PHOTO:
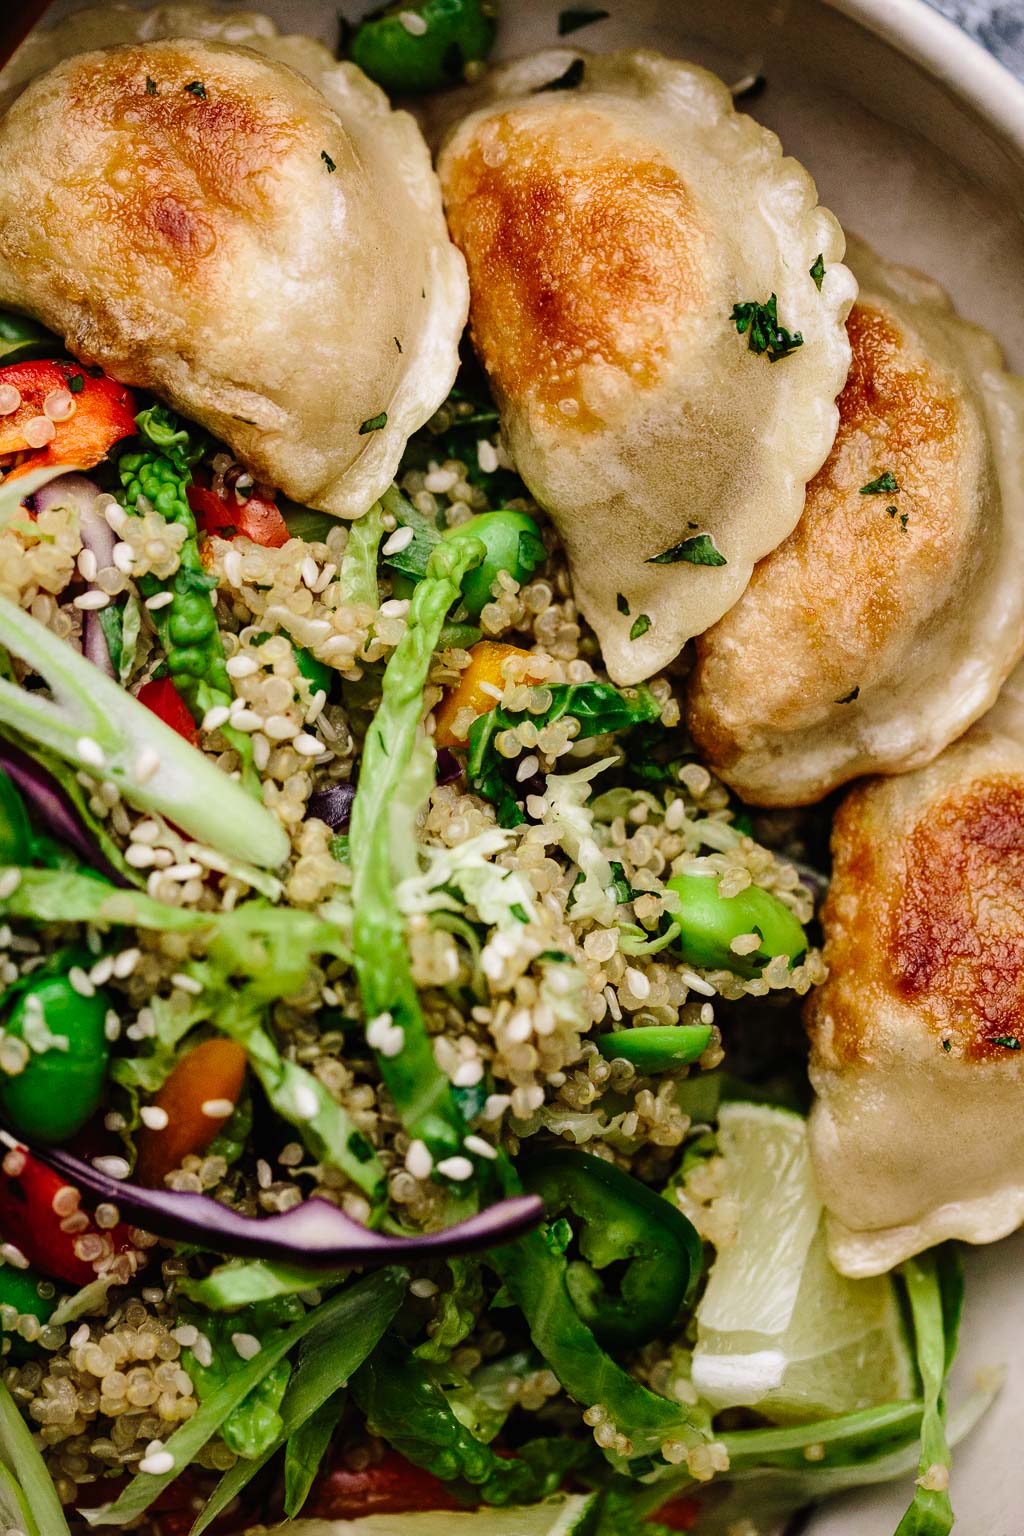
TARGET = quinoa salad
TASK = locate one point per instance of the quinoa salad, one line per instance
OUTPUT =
(403, 1077)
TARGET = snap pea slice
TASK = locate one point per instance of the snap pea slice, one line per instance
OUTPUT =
(656, 1047)
(412, 48)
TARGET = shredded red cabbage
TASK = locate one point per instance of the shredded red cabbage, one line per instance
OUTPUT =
(332, 805)
(54, 808)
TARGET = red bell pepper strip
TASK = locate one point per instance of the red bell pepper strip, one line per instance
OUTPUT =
(28, 1220)
(104, 412)
(257, 519)
(391, 1486)
(161, 696)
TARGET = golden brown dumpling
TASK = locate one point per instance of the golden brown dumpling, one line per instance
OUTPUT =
(886, 622)
(254, 235)
(917, 1133)
(610, 227)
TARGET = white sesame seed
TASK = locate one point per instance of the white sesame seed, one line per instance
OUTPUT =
(468, 1073)
(233, 567)
(218, 1109)
(90, 601)
(111, 1025)
(306, 1102)
(399, 540)
(383, 1035)
(480, 1147)
(696, 983)
(242, 666)
(246, 720)
(157, 1464)
(215, 717)
(102, 971)
(114, 513)
(495, 1105)
(310, 571)
(707, 1014)
(613, 1004)
(139, 856)
(537, 807)
(675, 816)
(87, 565)
(247, 1345)
(183, 872)
(486, 456)
(528, 767)
(457, 1168)
(280, 728)
(81, 1336)
(415, 25)
(418, 1160)
(80, 982)
(9, 882)
(13, 1256)
(423, 1287)
(113, 1167)
(90, 751)
(124, 558)
(153, 1116)
(394, 608)
(146, 764)
(187, 984)
(637, 982)
(203, 1351)
(324, 579)
(306, 745)
(159, 600)
(186, 1334)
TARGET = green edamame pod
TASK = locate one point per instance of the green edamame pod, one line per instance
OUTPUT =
(60, 1087)
(708, 922)
(15, 832)
(425, 45)
(656, 1047)
(512, 543)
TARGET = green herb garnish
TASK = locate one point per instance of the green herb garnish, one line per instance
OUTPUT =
(374, 423)
(196, 88)
(1008, 1042)
(848, 698)
(150, 86)
(818, 270)
(765, 336)
(885, 484)
(641, 624)
(622, 604)
(698, 550)
(325, 157)
(574, 17)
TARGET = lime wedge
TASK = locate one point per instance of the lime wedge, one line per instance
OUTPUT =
(568, 1515)
(777, 1328)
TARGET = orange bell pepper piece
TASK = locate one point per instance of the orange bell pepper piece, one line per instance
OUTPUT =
(103, 412)
(208, 1073)
(470, 692)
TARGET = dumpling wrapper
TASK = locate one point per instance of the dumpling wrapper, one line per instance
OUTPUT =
(202, 246)
(917, 1133)
(885, 624)
(609, 229)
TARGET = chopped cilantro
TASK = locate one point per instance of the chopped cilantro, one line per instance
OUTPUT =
(75, 382)
(818, 270)
(904, 520)
(947, 1044)
(1009, 1042)
(885, 483)
(848, 698)
(520, 913)
(196, 88)
(564, 82)
(398, 344)
(699, 550)
(374, 423)
(325, 157)
(641, 624)
(576, 16)
(150, 86)
(765, 336)
(622, 604)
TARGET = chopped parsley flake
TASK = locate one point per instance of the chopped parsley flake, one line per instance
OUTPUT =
(904, 517)
(818, 270)
(621, 604)
(576, 16)
(398, 344)
(947, 1044)
(641, 624)
(325, 157)
(848, 698)
(75, 382)
(564, 82)
(765, 336)
(374, 423)
(884, 485)
(1009, 1042)
(196, 88)
(699, 550)
(150, 86)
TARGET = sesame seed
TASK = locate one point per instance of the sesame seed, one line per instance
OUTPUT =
(246, 1345)
(182, 872)
(306, 745)
(91, 601)
(637, 982)
(399, 540)
(159, 600)
(613, 1004)
(394, 608)
(242, 666)
(415, 25)
(528, 767)
(423, 1287)
(385, 1036)
(203, 1351)
(111, 1025)
(486, 456)
(146, 764)
(9, 882)
(157, 1464)
(218, 1109)
(280, 728)
(102, 971)
(154, 1117)
(90, 752)
(186, 1334)
(124, 558)
(13, 1256)
(81, 1336)
(187, 984)
(233, 567)
(495, 1105)
(87, 565)
(113, 1167)
(310, 571)
(246, 720)
(80, 982)
(215, 717)
(707, 1014)
(139, 856)
(418, 1160)
(306, 1102)
(468, 1074)
(324, 579)
(480, 1147)
(457, 1168)
(696, 983)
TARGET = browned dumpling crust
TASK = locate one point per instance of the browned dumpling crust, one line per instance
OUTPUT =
(885, 623)
(609, 231)
(261, 245)
(916, 1035)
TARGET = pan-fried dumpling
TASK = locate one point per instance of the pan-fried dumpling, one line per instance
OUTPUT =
(917, 1133)
(250, 232)
(886, 622)
(610, 226)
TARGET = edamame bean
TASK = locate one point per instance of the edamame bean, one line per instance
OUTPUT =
(513, 544)
(60, 1087)
(656, 1047)
(708, 922)
(424, 46)
(15, 832)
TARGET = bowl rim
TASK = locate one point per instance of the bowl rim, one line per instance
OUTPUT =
(951, 55)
